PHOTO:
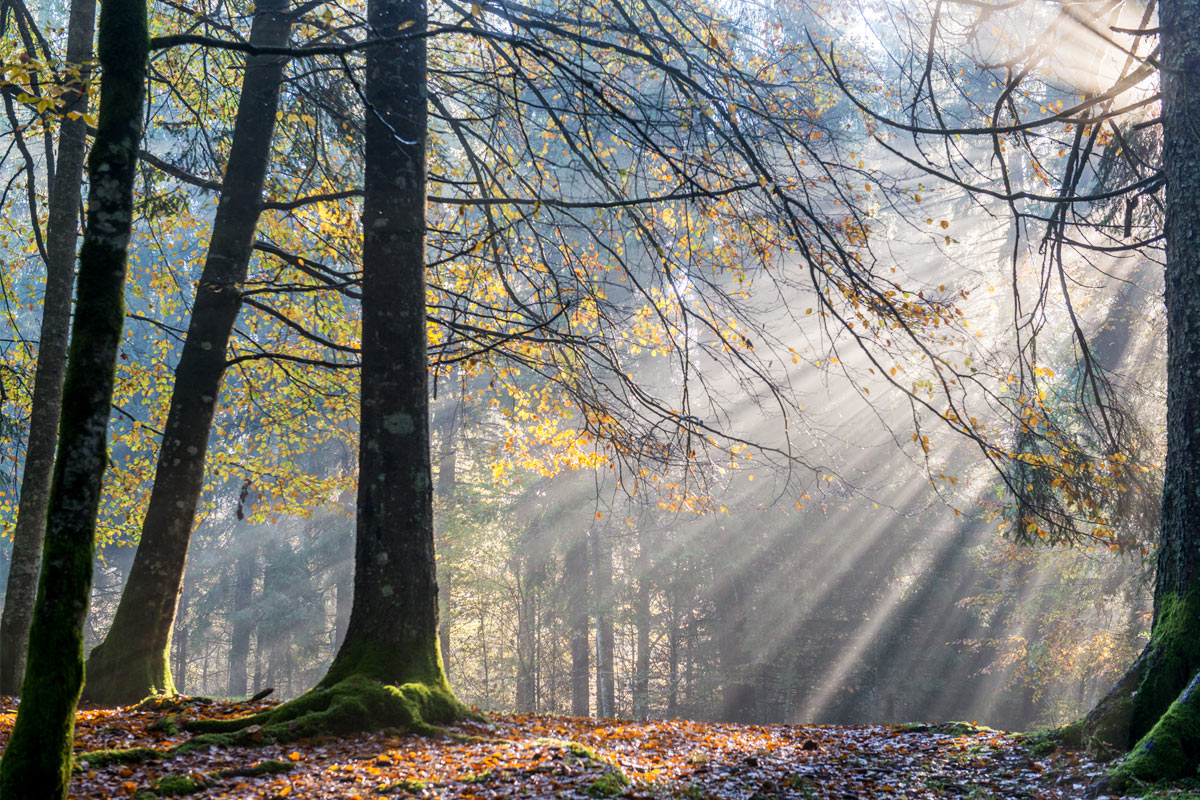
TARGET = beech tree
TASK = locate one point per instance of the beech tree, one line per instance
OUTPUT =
(37, 761)
(133, 660)
(61, 240)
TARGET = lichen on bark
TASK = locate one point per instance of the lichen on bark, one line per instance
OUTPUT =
(37, 760)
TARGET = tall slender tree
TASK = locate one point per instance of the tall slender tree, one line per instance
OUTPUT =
(61, 239)
(1155, 708)
(392, 636)
(133, 660)
(37, 762)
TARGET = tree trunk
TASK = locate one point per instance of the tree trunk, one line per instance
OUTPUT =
(603, 573)
(447, 478)
(641, 676)
(1155, 705)
(61, 237)
(37, 761)
(132, 661)
(739, 695)
(245, 571)
(345, 594)
(576, 573)
(393, 633)
(525, 634)
(180, 640)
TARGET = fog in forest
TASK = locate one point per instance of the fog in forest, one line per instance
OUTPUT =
(837, 554)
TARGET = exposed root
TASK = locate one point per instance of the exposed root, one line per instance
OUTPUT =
(354, 705)
(1169, 751)
(135, 755)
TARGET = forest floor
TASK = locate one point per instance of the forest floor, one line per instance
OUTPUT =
(532, 756)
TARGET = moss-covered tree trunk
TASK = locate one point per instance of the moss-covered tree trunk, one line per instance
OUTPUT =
(37, 761)
(61, 240)
(133, 661)
(392, 637)
(1154, 707)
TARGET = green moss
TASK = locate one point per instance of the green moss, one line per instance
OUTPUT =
(169, 725)
(574, 748)
(135, 755)
(351, 706)
(1186, 789)
(268, 767)
(478, 777)
(116, 679)
(1171, 750)
(1040, 742)
(409, 787)
(1174, 658)
(610, 784)
(177, 785)
(158, 702)
(1071, 734)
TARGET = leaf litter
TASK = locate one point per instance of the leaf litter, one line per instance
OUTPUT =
(538, 756)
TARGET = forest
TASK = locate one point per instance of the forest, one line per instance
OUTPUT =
(592, 398)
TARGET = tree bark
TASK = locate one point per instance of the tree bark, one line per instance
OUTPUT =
(520, 564)
(132, 661)
(738, 700)
(61, 238)
(180, 640)
(245, 571)
(641, 676)
(392, 637)
(37, 761)
(1154, 705)
(602, 572)
(576, 573)
(446, 482)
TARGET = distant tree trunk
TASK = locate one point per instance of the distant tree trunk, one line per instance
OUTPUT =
(447, 477)
(525, 634)
(393, 633)
(61, 238)
(258, 663)
(345, 594)
(179, 639)
(674, 636)
(739, 695)
(132, 662)
(641, 676)
(242, 620)
(576, 575)
(689, 666)
(1156, 706)
(37, 761)
(602, 571)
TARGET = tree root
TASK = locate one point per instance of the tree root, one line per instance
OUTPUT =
(1170, 750)
(354, 705)
(179, 785)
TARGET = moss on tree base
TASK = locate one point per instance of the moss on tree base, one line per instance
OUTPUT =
(1145, 693)
(353, 705)
(1169, 751)
(122, 679)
